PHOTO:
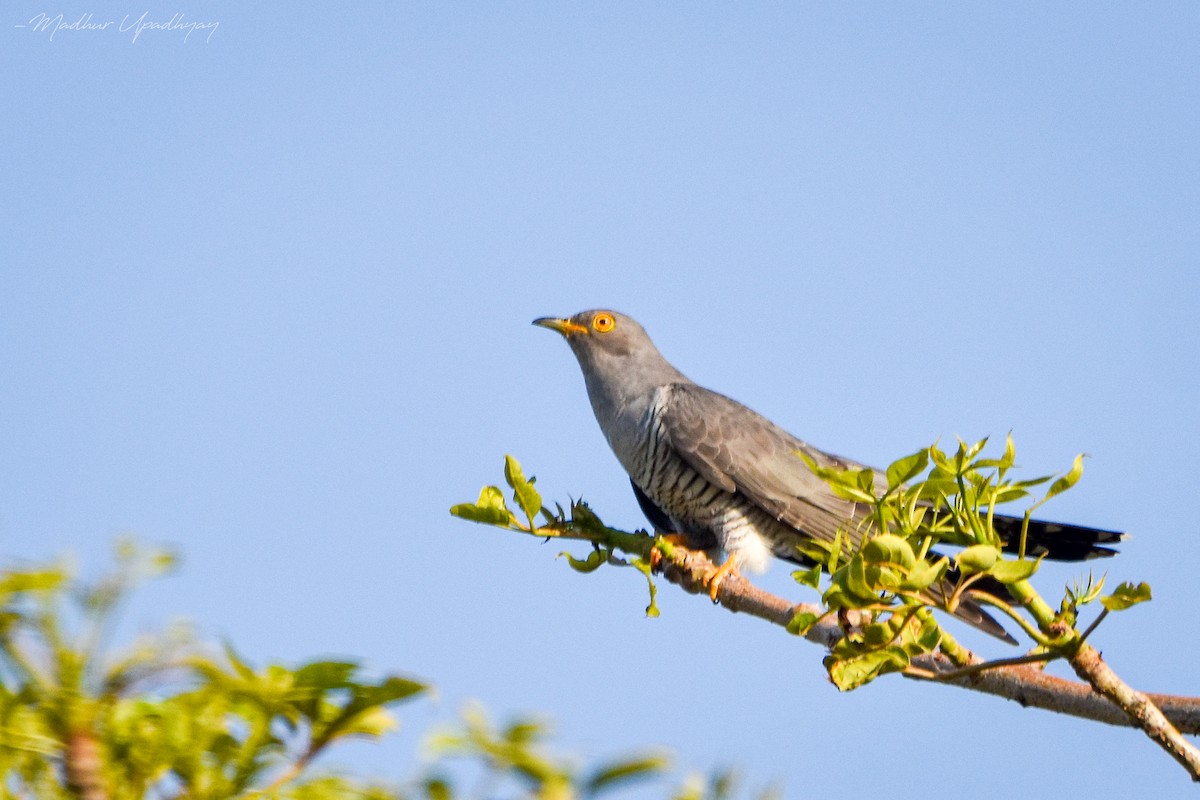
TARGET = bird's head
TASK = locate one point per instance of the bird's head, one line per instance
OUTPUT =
(614, 352)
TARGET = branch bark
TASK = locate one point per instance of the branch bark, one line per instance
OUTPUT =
(83, 765)
(1139, 708)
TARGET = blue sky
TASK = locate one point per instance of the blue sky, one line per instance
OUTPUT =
(265, 295)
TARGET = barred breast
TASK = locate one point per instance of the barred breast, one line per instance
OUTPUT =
(697, 506)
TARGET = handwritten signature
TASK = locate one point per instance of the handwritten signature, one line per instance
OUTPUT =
(130, 25)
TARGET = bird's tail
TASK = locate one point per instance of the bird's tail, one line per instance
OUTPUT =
(1056, 540)
(970, 611)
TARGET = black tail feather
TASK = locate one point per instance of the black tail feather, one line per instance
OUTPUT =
(1057, 541)
(974, 615)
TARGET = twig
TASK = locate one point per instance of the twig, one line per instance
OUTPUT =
(995, 602)
(972, 669)
(289, 774)
(1095, 624)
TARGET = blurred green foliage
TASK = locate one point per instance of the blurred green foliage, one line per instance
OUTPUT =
(169, 717)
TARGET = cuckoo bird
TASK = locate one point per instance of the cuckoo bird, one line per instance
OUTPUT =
(723, 478)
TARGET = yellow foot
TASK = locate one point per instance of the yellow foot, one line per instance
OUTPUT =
(714, 580)
(656, 556)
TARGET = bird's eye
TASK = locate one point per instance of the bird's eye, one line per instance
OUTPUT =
(603, 322)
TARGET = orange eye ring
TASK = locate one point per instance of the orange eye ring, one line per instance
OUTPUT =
(603, 322)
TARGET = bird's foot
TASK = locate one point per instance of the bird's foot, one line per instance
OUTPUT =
(656, 556)
(715, 578)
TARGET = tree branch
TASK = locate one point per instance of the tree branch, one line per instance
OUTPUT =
(83, 765)
(1026, 685)
(1138, 708)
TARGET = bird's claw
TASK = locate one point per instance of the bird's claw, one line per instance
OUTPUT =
(717, 577)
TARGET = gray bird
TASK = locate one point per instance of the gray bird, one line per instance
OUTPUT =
(723, 477)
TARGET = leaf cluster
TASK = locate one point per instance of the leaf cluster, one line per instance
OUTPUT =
(164, 717)
(167, 717)
(578, 521)
(927, 500)
(519, 764)
(492, 509)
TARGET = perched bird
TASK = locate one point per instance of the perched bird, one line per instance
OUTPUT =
(722, 477)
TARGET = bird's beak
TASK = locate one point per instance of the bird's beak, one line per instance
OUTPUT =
(563, 326)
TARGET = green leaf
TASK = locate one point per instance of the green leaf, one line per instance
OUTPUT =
(326, 674)
(643, 566)
(851, 673)
(885, 579)
(1067, 481)
(163, 561)
(364, 713)
(857, 485)
(835, 550)
(438, 789)
(936, 488)
(851, 493)
(866, 482)
(489, 509)
(524, 494)
(609, 776)
(523, 732)
(371, 722)
(969, 453)
(1080, 594)
(802, 622)
(978, 558)
(887, 548)
(392, 689)
(46, 580)
(809, 577)
(878, 634)
(923, 574)
(1007, 494)
(1126, 595)
(854, 578)
(907, 468)
(1010, 571)
(1031, 482)
(940, 460)
(1010, 453)
(593, 562)
(836, 598)
(926, 638)
(244, 670)
(821, 472)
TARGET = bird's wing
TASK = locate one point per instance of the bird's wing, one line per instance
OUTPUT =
(737, 448)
